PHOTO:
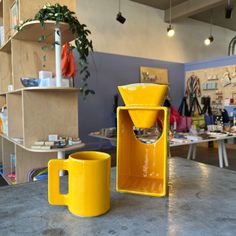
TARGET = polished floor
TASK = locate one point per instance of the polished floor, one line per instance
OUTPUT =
(207, 155)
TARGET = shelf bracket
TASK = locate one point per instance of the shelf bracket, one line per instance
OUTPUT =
(61, 156)
(58, 55)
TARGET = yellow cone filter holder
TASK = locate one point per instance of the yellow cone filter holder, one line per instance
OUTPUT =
(143, 95)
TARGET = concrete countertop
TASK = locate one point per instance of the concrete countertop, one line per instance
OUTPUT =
(202, 201)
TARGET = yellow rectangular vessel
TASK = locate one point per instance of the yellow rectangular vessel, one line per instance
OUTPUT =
(141, 167)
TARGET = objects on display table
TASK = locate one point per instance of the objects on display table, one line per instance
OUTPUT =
(187, 138)
(55, 141)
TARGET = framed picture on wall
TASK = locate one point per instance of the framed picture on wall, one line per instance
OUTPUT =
(14, 16)
(154, 75)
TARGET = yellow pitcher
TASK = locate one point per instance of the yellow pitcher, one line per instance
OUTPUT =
(88, 183)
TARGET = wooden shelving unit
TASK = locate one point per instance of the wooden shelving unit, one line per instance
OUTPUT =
(33, 113)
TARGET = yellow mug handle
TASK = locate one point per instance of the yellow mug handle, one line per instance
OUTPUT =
(54, 196)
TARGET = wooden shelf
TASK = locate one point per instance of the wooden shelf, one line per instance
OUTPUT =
(8, 180)
(6, 71)
(31, 31)
(15, 117)
(2, 100)
(1, 9)
(6, 47)
(19, 91)
(65, 149)
(33, 113)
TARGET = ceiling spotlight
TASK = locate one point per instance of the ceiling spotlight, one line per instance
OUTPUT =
(209, 40)
(170, 31)
(228, 10)
(119, 16)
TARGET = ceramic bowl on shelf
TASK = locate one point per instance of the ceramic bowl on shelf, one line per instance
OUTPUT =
(29, 82)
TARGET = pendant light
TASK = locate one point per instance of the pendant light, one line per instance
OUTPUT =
(170, 29)
(228, 10)
(119, 16)
(210, 39)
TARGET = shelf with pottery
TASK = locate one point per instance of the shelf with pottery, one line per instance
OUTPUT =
(33, 113)
(26, 9)
(29, 120)
(25, 54)
(19, 142)
(31, 31)
(22, 54)
(24, 161)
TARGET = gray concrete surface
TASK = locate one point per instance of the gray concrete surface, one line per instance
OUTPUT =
(202, 201)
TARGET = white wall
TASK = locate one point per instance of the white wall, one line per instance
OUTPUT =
(144, 32)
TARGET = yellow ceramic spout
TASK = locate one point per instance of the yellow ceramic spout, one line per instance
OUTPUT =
(143, 95)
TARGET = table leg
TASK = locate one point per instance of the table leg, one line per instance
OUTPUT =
(169, 154)
(190, 149)
(61, 155)
(220, 152)
(225, 154)
(194, 151)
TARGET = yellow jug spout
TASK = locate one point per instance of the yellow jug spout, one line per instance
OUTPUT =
(143, 95)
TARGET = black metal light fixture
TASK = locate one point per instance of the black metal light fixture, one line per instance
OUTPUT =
(119, 16)
(228, 10)
(170, 28)
(210, 39)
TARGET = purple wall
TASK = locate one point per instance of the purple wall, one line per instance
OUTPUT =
(224, 61)
(107, 72)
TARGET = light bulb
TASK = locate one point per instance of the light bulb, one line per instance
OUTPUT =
(170, 31)
(209, 40)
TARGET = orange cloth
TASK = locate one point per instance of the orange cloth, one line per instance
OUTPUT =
(67, 61)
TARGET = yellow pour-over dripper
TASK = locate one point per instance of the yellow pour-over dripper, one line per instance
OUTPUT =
(143, 95)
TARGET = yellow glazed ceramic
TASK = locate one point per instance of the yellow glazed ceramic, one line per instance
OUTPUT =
(143, 95)
(88, 183)
(141, 167)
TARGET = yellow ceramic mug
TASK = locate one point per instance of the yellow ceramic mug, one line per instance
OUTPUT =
(88, 183)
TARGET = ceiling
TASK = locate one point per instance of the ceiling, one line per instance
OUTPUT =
(217, 11)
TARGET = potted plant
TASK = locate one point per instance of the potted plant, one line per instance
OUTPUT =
(60, 13)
